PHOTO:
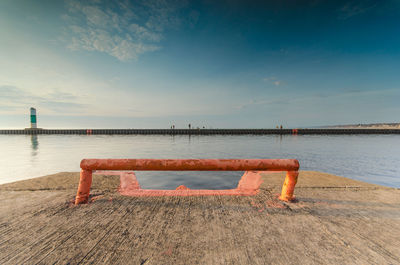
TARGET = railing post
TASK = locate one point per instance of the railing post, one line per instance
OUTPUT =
(85, 182)
(288, 186)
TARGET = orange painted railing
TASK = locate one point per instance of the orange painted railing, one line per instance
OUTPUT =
(250, 180)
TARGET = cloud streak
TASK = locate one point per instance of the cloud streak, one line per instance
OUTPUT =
(120, 29)
(17, 100)
(355, 8)
(273, 80)
(305, 100)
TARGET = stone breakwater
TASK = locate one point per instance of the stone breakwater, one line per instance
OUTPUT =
(201, 131)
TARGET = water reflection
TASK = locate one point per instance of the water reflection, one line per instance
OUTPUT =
(34, 145)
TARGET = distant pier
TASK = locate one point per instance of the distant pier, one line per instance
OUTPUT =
(33, 131)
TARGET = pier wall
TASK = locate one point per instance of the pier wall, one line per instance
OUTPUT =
(200, 131)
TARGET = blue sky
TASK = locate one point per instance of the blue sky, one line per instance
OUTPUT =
(219, 64)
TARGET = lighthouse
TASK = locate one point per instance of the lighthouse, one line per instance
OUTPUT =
(33, 118)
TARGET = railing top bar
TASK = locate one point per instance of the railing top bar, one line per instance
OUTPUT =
(191, 164)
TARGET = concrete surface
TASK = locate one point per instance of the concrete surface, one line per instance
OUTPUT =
(335, 221)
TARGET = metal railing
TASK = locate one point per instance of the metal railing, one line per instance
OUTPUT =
(247, 186)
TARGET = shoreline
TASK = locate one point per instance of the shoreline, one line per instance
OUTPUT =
(335, 220)
(71, 178)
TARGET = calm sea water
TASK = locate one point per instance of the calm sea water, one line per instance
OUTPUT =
(370, 158)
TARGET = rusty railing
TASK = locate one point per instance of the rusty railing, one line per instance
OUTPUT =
(247, 186)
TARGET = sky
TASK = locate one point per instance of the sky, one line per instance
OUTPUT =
(218, 64)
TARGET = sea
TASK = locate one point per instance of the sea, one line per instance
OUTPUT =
(370, 158)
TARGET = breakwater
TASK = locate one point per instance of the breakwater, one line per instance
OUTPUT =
(200, 131)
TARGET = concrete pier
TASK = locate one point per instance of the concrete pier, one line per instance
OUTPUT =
(335, 220)
(29, 131)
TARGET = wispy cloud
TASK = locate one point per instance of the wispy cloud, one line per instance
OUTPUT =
(273, 80)
(261, 102)
(18, 100)
(354, 8)
(319, 97)
(120, 29)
